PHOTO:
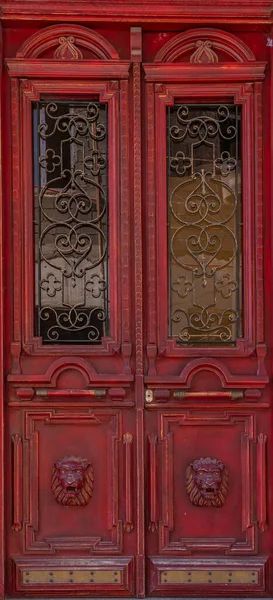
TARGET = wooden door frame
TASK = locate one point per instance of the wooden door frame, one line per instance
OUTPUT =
(2, 361)
(245, 13)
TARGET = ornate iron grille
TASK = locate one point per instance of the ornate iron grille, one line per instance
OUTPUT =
(71, 221)
(204, 223)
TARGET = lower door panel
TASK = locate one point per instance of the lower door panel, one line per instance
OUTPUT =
(207, 577)
(72, 527)
(207, 501)
(112, 576)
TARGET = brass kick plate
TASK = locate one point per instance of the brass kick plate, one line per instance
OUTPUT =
(223, 576)
(70, 577)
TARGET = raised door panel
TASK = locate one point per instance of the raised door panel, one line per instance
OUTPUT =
(207, 498)
(73, 481)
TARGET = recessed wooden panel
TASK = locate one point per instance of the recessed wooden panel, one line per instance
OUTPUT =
(51, 435)
(109, 576)
(227, 526)
(205, 577)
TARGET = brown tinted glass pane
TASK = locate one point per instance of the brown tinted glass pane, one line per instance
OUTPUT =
(70, 221)
(204, 224)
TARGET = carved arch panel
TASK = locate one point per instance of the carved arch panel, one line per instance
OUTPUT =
(67, 42)
(203, 45)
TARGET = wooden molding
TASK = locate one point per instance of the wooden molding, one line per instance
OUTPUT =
(60, 365)
(17, 482)
(60, 69)
(262, 482)
(182, 11)
(128, 525)
(153, 481)
(207, 73)
(136, 44)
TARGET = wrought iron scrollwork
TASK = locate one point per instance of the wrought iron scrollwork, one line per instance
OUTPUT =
(71, 225)
(204, 227)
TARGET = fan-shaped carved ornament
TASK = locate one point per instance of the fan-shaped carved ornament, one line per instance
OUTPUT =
(196, 46)
(204, 53)
(67, 49)
(68, 41)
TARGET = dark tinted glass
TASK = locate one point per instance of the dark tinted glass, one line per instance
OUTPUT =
(71, 221)
(204, 224)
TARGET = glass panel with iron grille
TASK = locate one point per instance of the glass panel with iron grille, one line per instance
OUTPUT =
(204, 224)
(70, 221)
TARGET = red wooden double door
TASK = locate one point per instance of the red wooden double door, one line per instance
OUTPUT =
(136, 404)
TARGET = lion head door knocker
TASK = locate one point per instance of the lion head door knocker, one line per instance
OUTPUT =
(207, 482)
(72, 481)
